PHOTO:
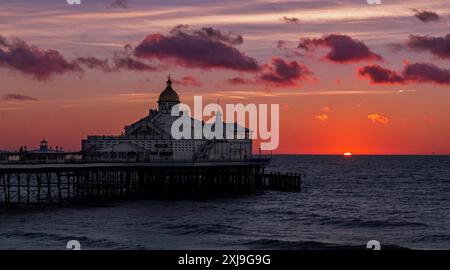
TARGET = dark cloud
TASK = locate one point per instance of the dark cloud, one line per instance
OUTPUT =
(200, 49)
(42, 64)
(121, 61)
(130, 63)
(343, 48)
(28, 59)
(95, 63)
(438, 46)
(291, 20)
(426, 73)
(412, 73)
(3, 41)
(282, 73)
(426, 16)
(18, 97)
(282, 44)
(378, 74)
(120, 3)
(289, 52)
(208, 33)
(188, 81)
(395, 47)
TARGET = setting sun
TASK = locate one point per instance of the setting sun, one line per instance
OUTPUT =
(347, 154)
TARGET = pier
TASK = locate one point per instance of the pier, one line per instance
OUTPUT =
(146, 160)
(47, 184)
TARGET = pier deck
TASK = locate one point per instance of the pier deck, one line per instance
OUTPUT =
(66, 182)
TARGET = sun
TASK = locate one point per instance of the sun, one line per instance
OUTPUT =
(347, 154)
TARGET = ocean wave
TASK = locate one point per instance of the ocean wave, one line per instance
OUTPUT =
(434, 238)
(329, 219)
(371, 223)
(265, 243)
(43, 237)
(203, 229)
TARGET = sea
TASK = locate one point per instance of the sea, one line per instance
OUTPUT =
(400, 201)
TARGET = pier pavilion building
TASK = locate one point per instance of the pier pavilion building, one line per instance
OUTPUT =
(149, 139)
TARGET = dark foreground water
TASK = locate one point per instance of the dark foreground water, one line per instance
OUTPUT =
(400, 201)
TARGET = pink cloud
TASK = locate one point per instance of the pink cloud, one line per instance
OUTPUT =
(322, 117)
(188, 81)
(377, 118)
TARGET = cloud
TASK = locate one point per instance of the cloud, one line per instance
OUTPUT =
(120, 3)
(130, 63)
(205, 48)
(208, 33)
(344, 49)
(188, 81)
(438, 46)
(94, 63)
(31, 60)
(377, 118)
(239, 81)
(395, 47)
(412, 73)
(282, 73)
(378, 74)
(426, 16)
(3, 41)
(291, 20)
(425, 72)
(18, 97)
(322, 117)
(42, 64)
(289, 52)
(326, 109)
(119, 62)
(282, 44)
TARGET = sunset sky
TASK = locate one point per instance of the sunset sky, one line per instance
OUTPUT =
(349, 76)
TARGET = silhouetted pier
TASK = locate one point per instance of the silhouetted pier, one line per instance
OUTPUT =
(30, 184)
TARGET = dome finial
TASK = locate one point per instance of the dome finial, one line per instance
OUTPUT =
(169, 95)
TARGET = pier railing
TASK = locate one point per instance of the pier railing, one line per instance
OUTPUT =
(76, 158)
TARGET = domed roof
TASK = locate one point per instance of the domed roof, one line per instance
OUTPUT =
(169, 95)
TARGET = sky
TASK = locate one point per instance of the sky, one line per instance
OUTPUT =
(348, 76)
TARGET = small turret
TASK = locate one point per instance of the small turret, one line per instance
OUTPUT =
(44, 145)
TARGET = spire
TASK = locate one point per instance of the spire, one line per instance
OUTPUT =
(169, 81)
